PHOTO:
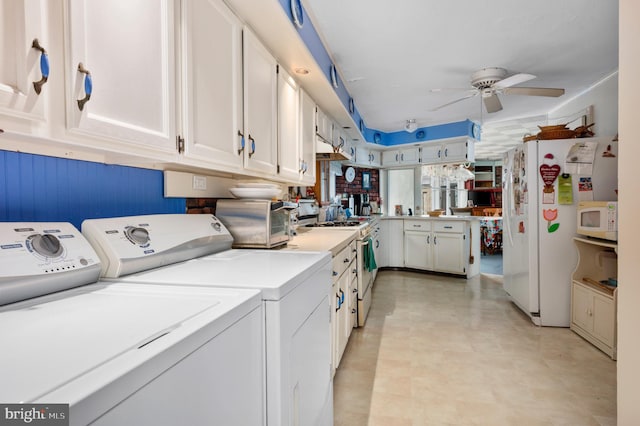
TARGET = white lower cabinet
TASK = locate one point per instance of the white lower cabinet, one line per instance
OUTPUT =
(395, 243)
(594, 313)
(344, 301)
(435, 245)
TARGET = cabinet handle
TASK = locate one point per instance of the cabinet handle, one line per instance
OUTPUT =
(346, 260)
(44, 66)
(377, 244)
(448, 227)
(338, 303)
(435, 241)
(355, 290)
(253, 146)
(439, 153)
(241, 142)
(428, 239)
(402, 157)
(355, 271)
(334, 273)
(396, 157)
(353, 311)
(341, 297)
(88, 86)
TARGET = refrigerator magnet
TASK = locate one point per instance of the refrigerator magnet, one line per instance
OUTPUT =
(565, 189)
(550, 215)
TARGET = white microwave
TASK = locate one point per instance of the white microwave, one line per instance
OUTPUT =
(598, 219)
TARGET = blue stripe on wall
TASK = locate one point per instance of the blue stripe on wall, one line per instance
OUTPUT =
(36, 188)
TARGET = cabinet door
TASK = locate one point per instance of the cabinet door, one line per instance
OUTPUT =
(342, 315)
(260, 106)
(448, 252)
(20, 24)
(395, 244)
(390, 158)
(417, 250)
(212, 81)
(382, 257)
(323, 123)
(308, 138)
(289, 148)
(581, 309)
(363, 156)
(128, 68)
(376, 158)
(604, 319)
(457, 151)
(410, 156)
(431, 153)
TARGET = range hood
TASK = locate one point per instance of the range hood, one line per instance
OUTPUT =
(325, 151)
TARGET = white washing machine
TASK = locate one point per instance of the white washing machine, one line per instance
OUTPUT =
(295, 289)
(122, 353)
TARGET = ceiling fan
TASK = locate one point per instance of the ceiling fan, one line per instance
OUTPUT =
(489, 82)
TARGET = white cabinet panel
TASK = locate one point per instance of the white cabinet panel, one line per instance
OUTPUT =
(289, 147)
(448, 252)
(367, 157)
(402, 157)
(448, 152)
(418, 250)
(395, 243)
(260, 106)
(21, 22)
(308, 138)
(212, 82)
(121, 62)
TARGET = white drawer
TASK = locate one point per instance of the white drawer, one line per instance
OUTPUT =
(444, 226)
(417, 225)
(342, 260)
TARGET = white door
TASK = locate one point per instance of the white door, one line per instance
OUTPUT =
(260, 106)
(431, 153)
(21, 23)
(456, 151)
(448, 252)
(121, 71)
(289, 148)
(211, 52)
(308, 138)
(417, 249)
(395, 243)
(390, 158)
(410, 156)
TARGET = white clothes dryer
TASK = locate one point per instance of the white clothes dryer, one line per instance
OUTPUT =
(295, 288)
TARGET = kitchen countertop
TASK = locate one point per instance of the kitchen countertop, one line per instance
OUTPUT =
(322, 239)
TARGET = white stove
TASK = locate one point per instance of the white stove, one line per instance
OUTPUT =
(113, 350)
(294, 286)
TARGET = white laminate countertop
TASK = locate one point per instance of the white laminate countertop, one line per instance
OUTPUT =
(322, 239)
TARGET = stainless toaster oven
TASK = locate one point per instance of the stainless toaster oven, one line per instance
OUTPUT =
(255, 223)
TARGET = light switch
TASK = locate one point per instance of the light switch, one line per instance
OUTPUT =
(200, 183)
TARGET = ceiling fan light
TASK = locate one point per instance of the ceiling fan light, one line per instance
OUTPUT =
(411, 125)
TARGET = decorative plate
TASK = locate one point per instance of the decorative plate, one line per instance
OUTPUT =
(352, 107)
(350, 174)
(476, 131)
(296, 12)
(361, 126)
(334, 76)
(420, 134)
(377, 137)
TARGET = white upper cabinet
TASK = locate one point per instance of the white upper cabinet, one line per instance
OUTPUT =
(323, 125)
(260, 106)
(289, 147)
(308, 138)
(401, 157)
(120, 72)
(448, 152)
(211, 82)
(367, 157)
(24, 52)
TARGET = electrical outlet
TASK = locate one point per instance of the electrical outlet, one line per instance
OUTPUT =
(200, 183)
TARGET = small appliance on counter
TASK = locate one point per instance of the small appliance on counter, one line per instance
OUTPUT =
(598, 219)
(256, 223)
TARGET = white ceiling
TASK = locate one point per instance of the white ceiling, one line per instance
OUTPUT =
(391, 54)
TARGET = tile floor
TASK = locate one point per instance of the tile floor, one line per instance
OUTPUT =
(439, 350)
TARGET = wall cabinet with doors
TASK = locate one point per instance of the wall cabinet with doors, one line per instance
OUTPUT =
(120, 74)
(24, 68)
(593, 301)
(323, 125)
(211, 81)
(289, 149)
(401, 157)
(367, 157)
(307, 139)
(458, 150)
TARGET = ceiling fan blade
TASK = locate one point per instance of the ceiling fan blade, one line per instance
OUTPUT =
(533, 91)
(513, 80)
(452, 89)
(492, 103)
(456, 101)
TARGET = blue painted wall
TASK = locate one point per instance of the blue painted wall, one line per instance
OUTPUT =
(312, 40)
(40, 188)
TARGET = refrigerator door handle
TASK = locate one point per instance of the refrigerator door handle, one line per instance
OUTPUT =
(506, 207)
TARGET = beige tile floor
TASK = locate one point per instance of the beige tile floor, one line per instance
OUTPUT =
(448, 351)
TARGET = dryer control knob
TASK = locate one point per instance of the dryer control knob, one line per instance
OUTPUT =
(46, 245)
(137, 235)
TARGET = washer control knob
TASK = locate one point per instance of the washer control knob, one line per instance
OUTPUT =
(217, 226)
(46, 245)
(137, 235)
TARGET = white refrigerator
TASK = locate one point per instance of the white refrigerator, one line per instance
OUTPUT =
(539, 220)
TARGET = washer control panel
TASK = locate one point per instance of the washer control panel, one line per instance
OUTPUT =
(43, 248)
(132, 244)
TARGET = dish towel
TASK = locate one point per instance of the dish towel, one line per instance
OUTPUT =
(369, 257)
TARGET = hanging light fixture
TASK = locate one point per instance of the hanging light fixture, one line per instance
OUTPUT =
(411, 125)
